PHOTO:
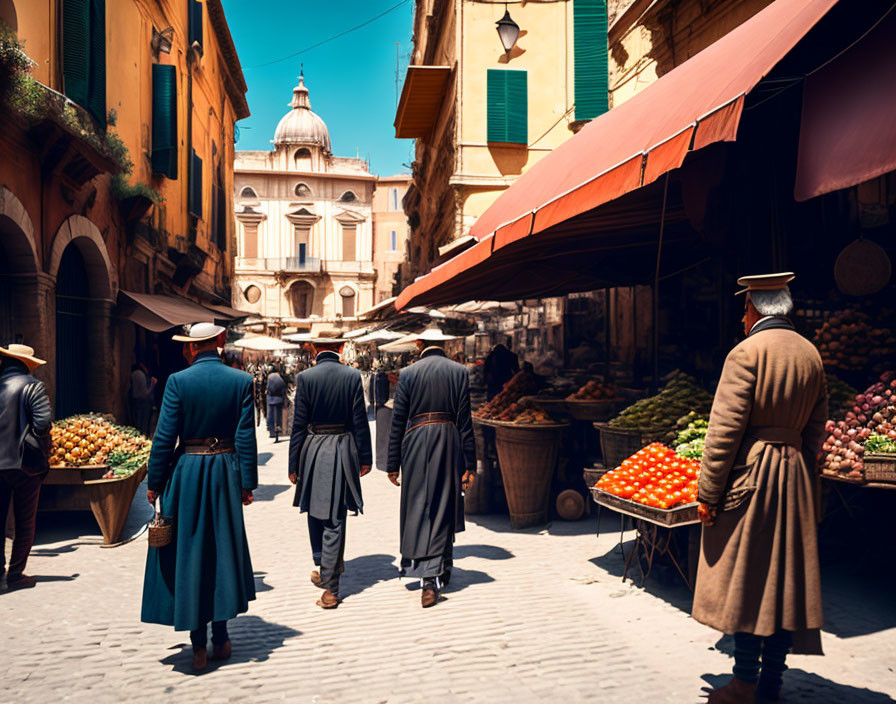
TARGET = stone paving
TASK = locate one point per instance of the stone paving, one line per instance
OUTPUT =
(530, 616)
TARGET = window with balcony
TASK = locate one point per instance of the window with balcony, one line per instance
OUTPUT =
(349, 243)
(347, 293)
(302, 237)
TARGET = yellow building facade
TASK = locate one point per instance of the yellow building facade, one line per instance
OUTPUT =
(116, 173)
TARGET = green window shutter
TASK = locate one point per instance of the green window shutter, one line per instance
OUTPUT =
(76, 49)
(96, 98)
(508, 106)
(164, 120)
(195, 185)
(590, 54)
(195, 22)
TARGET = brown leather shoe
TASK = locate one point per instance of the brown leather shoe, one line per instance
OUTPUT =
(328, 600)
(200, 659)
(316, 580)
(429, 597)
(221, 652)
(735, 692)
(20, 581)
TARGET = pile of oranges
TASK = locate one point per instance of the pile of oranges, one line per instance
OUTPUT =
(654, 476)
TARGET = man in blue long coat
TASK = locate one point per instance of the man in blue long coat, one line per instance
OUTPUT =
(203, 468)
(329, 452)
(432, 445)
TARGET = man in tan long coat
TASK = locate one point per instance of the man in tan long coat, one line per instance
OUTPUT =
(758, 575)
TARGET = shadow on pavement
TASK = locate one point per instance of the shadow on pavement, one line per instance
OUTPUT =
(846, 616)
(253, 640)
(260, 586)
(801, 687)
(663, 582)
(267, 492)
(501, 524)
(460, 579)
(366, 571)
(486, 552)
(264, 457)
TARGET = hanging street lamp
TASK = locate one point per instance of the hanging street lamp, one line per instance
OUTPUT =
(508, 31)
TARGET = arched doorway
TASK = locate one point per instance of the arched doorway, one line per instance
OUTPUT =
(20, 307)
(301, 298)
(72, 341)
(347, 293)
(88, 368)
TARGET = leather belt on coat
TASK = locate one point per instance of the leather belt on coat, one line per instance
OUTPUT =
(327, 428)
(429, 419)
(209, 446)
(777, 436)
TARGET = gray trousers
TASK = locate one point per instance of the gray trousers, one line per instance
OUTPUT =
(328, 548)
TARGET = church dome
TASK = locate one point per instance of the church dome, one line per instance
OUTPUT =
(300, 125)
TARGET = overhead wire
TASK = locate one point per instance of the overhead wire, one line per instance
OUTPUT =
(329, 39)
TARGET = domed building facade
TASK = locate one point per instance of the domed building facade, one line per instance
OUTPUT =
(304, 227)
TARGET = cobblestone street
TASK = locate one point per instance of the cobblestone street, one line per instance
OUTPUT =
(530, 616)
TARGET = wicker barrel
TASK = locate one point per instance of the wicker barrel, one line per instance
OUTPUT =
(527, 456)
(618, 444)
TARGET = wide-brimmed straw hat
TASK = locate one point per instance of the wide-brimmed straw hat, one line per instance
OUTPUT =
(23, 353)
(199, 332)
(328, 337)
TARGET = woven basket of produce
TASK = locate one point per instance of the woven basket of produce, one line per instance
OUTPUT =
(618, 444)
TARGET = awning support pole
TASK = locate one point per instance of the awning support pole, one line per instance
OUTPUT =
(656, 294)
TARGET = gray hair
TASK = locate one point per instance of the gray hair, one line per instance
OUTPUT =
(776, 302)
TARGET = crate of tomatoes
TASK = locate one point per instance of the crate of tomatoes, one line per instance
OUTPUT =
(655, 483)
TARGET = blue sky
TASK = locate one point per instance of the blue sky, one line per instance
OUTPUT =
(351, 79)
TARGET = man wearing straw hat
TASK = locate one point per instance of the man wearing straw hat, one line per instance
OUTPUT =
(432, 445)
(329, 452)
(25, 417)
(758, 574)
(203, 468)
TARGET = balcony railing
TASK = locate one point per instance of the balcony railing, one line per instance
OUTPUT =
(308, 264)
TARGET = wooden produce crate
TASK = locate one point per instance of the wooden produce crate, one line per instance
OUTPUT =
(668, 518)
(879, 467)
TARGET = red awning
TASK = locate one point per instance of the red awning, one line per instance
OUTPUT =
(848, 130)
(696, 104)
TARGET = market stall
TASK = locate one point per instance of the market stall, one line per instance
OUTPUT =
(95, 465)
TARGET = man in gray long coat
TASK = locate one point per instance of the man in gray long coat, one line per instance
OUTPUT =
(329, 452)
(758, 574)
(432, 443)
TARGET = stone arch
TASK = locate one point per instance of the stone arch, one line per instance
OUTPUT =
(86, 236)
(301, 295)
(17, 231)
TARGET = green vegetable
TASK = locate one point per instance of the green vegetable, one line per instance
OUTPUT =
(880, 443)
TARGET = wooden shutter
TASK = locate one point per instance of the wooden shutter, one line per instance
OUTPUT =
(195, 185)
(349, 243)
(76, 49)
(195, 22)
(96, 98)
(508, 106)
(221, 225)
(164, 120)
(250, 240)
(590, 54)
